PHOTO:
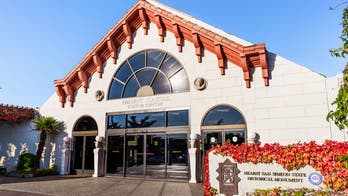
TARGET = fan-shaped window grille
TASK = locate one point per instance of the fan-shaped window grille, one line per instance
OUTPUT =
(147, 73)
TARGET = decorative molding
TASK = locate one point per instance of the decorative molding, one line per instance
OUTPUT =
(200, 83)
(144, 20)
(99, 64)
(83, 78)
(112, 49)
(160, 26)
(178, 35)
(99, 95)
(198, 45)
(128, 33)
(141, 14)
(70, 94)
(221, 57)
(61, 94)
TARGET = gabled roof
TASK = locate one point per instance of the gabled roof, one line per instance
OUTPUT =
(16, 113)
(184, 27)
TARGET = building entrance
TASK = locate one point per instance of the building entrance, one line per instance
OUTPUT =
(82, 156)
(149, 155)
(148, 145)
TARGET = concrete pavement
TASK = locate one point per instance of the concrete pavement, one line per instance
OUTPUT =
(77, 185)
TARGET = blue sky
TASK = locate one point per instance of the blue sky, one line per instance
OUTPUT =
(41, 41)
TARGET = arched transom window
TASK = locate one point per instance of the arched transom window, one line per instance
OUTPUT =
(147, 73)
(85, 123)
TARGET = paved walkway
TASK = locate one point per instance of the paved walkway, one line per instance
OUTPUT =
(75, 185)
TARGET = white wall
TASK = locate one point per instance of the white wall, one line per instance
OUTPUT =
(14, 139)
(292, 109)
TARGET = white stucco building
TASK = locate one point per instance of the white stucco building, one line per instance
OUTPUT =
(160, 75)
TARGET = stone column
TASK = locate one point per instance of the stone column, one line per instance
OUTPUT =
(193, 158)
(99, 157)
(65, 162)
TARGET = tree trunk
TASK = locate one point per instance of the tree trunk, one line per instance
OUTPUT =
(40, 147)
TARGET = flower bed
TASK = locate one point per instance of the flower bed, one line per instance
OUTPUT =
(323, 158)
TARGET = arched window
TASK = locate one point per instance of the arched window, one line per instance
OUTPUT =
(86, 123)
(223, 115)
(223, 124)
(147, 73)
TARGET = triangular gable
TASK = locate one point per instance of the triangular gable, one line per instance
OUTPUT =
(166, 20)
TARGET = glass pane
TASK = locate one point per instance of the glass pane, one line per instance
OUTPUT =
(145, 76)
(161, 84)
(89, 154)
(177, 161)
(154, 58)
(223, 115)
(135, 155)
(235, 137)
(115, 90)
(155, 156)
(180, 82)
(154, 119)
(115, 154)
(116, 121)
(78, 152)
(124, 72)
(137, 61)
(131, 88)
(86, 124)
(170, 66)
(177, 118)
(210, 139)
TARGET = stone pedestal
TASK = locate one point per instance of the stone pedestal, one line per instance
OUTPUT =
(193, 165)
(193, 158)
(99, 157)
(65, 161)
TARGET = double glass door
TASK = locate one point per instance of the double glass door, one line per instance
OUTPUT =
(151, 155)
(82, 155)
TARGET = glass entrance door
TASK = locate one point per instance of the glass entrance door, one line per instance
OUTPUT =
(115, 154)
(150, 155)
(177, 162)
(134, 155)
(83, 156)
(155, 156)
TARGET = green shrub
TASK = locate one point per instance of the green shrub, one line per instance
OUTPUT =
(26, 161)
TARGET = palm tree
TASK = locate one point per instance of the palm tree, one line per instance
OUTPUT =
(45, 125)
